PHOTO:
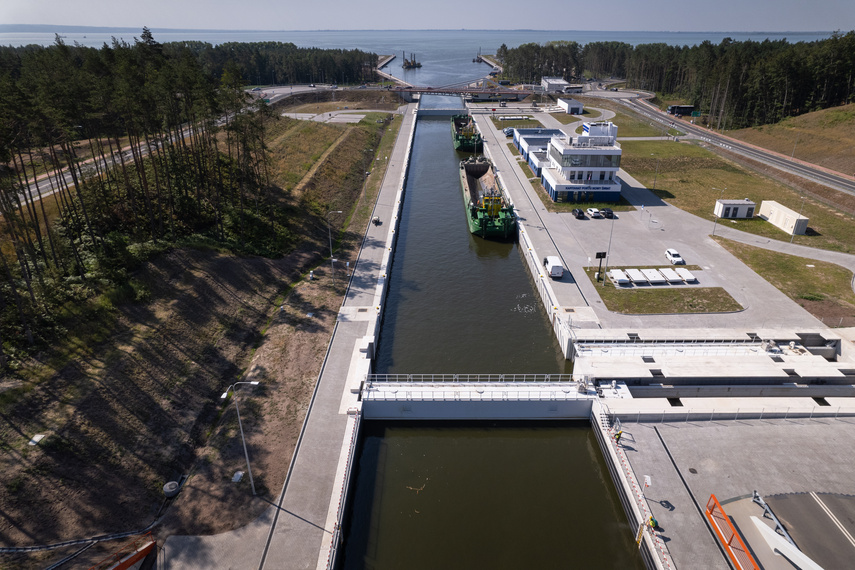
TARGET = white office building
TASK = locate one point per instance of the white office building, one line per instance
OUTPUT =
(553, 84)
(584, 168)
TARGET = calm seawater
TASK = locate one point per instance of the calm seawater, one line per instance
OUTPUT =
(446, 55)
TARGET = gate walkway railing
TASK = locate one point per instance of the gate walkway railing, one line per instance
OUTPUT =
(454, 378)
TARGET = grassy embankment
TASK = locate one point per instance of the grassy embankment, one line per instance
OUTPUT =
(692, 178)
(823, 289)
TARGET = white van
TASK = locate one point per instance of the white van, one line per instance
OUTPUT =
(553, 266)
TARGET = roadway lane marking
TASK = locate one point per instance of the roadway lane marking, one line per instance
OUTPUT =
(833, 518)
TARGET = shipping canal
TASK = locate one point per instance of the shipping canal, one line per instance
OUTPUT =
(485, 495)
(473, 494)
(457, 303)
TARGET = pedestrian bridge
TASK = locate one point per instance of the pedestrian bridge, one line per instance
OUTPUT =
(476, 396)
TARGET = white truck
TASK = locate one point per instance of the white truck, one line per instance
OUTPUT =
(553, 266)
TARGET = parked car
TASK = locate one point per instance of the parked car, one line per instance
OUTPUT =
(674, 257)
(607, 213)
(593, 212)
(579, 214)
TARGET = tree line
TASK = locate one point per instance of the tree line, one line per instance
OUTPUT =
(137, 145)
(737, 84)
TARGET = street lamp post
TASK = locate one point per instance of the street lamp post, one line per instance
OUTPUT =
(793, 235)
(714, 214)
(657, 170)
(329, 234)
(609, 249)
(240, 425)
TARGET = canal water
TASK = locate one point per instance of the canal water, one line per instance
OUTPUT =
(485, 495)
(472, 494)
(457, 303)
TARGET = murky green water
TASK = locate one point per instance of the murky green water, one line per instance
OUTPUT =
(521, 495)
(442, 495)
(457, 303)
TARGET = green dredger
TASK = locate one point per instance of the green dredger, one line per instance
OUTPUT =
(488, 211)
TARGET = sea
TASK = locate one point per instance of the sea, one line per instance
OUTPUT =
(446, 55)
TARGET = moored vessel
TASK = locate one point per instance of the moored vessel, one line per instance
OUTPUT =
(488, 211)
(465, 134)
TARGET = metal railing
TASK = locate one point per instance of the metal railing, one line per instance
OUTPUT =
(470, 378)
(336, 538)
(730, 539)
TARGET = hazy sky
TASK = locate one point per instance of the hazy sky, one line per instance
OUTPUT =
(611, 15)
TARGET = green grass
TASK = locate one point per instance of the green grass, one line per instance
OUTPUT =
(587, 116)
(797, 277)
(629, 124)
(664, 300)
(528, 123)
(692, 179)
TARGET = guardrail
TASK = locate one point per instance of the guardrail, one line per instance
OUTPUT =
(471, 378)
(736, 550)
(336, 539)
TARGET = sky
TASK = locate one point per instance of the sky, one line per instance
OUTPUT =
(610, 15)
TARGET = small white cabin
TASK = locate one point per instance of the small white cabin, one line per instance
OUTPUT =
(735, 209)
(571, 106)
(784, 218)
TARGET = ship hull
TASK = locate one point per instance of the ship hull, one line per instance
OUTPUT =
(466, 136)
(488, 211)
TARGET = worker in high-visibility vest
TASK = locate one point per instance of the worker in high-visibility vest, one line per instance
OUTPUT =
(618, 435)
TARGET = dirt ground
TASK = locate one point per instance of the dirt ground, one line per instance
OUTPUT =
(212, 319)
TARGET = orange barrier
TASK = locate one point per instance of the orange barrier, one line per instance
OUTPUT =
(733, 545)
(128, 555)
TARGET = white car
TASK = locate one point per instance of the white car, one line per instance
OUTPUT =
(674, 257)
(593, 212)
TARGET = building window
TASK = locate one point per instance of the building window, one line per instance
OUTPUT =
(726, 212)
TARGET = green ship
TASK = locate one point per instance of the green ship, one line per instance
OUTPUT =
(488, 210)
(466, 135)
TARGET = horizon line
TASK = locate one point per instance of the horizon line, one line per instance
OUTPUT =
(46, 27)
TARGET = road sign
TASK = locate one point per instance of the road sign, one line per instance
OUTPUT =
(601, 255)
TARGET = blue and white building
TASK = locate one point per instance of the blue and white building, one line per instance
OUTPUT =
(584, 168)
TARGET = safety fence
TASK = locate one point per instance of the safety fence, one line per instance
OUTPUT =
(730, 539)
(652, 546)
(354, 417)
(473, 378)
(128, 555)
